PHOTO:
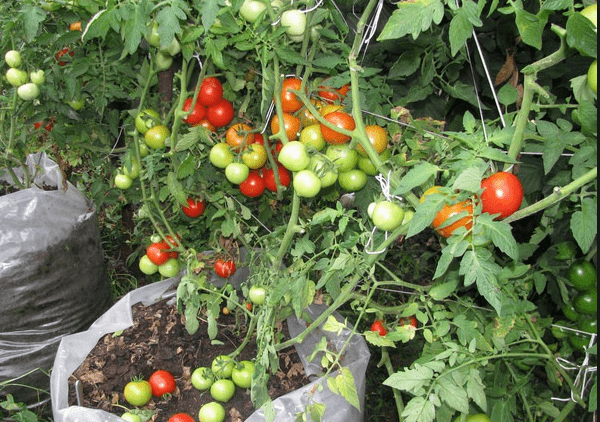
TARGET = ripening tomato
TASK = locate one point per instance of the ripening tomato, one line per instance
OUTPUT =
(503, 194)
(340, 120)
(61, 53)
(211, 92)
(253, 186)
(137, 392)
(195, 208)
(331, 95)
(156, 137)
(290, 103)
(291, 125)
(220, 114)
(255, 156)
(378, 137)
(306, 117)
(162, 382)
(450, 211)
(239, 136)
(378, 327)
(158, 252)
(411, 320)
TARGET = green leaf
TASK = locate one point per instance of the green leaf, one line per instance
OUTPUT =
(418, 409)
(582, 36)
(168, 22)
(469, 179)
(346, 386)
(176, 189)
(557, 4)
(495, 154)
(424, 214)
(136, 18)
(593, 398)
(479, 267)
(454, 395)
(531, 27)
(412, 18)
(442, 290)
(416, 176)
(32, 17)
(584, 224)
(443, 263)
(461, 26)
(476, 389)
(501, 235)
(376, 339)
(508, 95)
(187, 167)
(411, 380)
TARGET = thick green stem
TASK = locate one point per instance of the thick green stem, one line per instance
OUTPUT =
(557, 195)
(385, 358)
(292, 229)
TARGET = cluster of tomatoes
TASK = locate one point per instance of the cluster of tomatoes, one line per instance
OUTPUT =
(315, 156)
(582, 311)
(221, 380)
(27, 84)
(161, 257)
(378, 326)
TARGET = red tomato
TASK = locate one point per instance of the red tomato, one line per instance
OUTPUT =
(197, 114)
(503, 194)
(48, 125)
(253, 186)
(411, 320)
(61, 53)
(158, 253)
(224, 268)
(330, 95)
(378, 327)
(220, 114)
(162, 382)
(285, 178)
(211, 91)
(195, 208)
(181, 417)
(290, 103)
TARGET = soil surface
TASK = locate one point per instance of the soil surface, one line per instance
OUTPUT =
(158, 340)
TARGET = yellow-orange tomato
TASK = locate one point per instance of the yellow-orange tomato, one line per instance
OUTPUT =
(306, 117)
(75, 26)
(431, 190)
(378, 137)
(450, 211)
(291, 125)
(330, 108)
(239, 136)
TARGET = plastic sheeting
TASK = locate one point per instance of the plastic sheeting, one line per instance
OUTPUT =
(53, 280)
(74, 349)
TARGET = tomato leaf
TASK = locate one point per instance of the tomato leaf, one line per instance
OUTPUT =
(346, 386)
(416, 176)
(168, 22)
(411, 380)
(419, 409)
(135, 18)
(476, 389)
(461, 26)
(176, 189)
(32, 17)
(479, 267)
(581, 35)
(584, 224)
(469, 179)
(531, 27)
(453, 394)
(412, 18)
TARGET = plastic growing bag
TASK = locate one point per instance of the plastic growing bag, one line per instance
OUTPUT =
(52, 273)
(74, 349)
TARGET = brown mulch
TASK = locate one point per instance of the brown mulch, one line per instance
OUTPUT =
(158, 340)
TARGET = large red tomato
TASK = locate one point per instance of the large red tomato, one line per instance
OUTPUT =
(503, 194)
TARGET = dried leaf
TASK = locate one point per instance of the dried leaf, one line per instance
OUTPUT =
(507, 69)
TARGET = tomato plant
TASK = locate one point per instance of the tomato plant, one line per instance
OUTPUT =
(443, 219)
(61, 53)
(28, 91)
(252, 9)
(195, 208)
(311, 136)
(146, 120)
(352, 180)
(147, 266)
(236, 173)
(378, 137)
(224, 268)
(294, 21)
(162, 382)
(16, 77)
(344, 157)
(255, 156)
(239, 136)
(13, 58)
(257, 295)
(222, 366)
(293, 156)
(156, 137)
(131, 417)
(138, 392)
(122, 181)
(387, 216)
(502, 194)
(253, 186)
(586, 302)
(331, 95)
(220, 155)
(291, 125)
(170, 268)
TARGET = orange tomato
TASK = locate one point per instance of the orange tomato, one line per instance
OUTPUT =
(341, 120)
(75, 26)
(378, 137)
(450, 211)
(291, 125)
(290, 103)
(331, 95)
(238, 136)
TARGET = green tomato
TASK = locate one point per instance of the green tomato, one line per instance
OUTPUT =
(236, 173)
(366, 165)
(306, 184)
(222, 390)
(588, 324)
(123, 181)
(294, 21)
(252, 9)
(257, 295)
(202, 378)
(311, 136)
(37, 77)
(143, 149)
(579, 341)
(558, 332)
(16, 77)
(173, 49)
(146, 120)
(344, 157)
(211, 412)
(586, 303)
(324, 169)
(220, 155)
(134, 170)
(131, 417)
(76, 104)
(353, 180)
(170, 268)
(138, 393)
(387, 216)
(222, 366)
(293, 156)
(163, 61)
(153, 36)
(156, 137)
(13, 58)
(582, 275)
(242, 374)
(592, 76)
(569, 311)
(146, 266)
(591, 12)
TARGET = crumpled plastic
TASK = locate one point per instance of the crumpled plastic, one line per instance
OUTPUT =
(52, 273)
(74, 349)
